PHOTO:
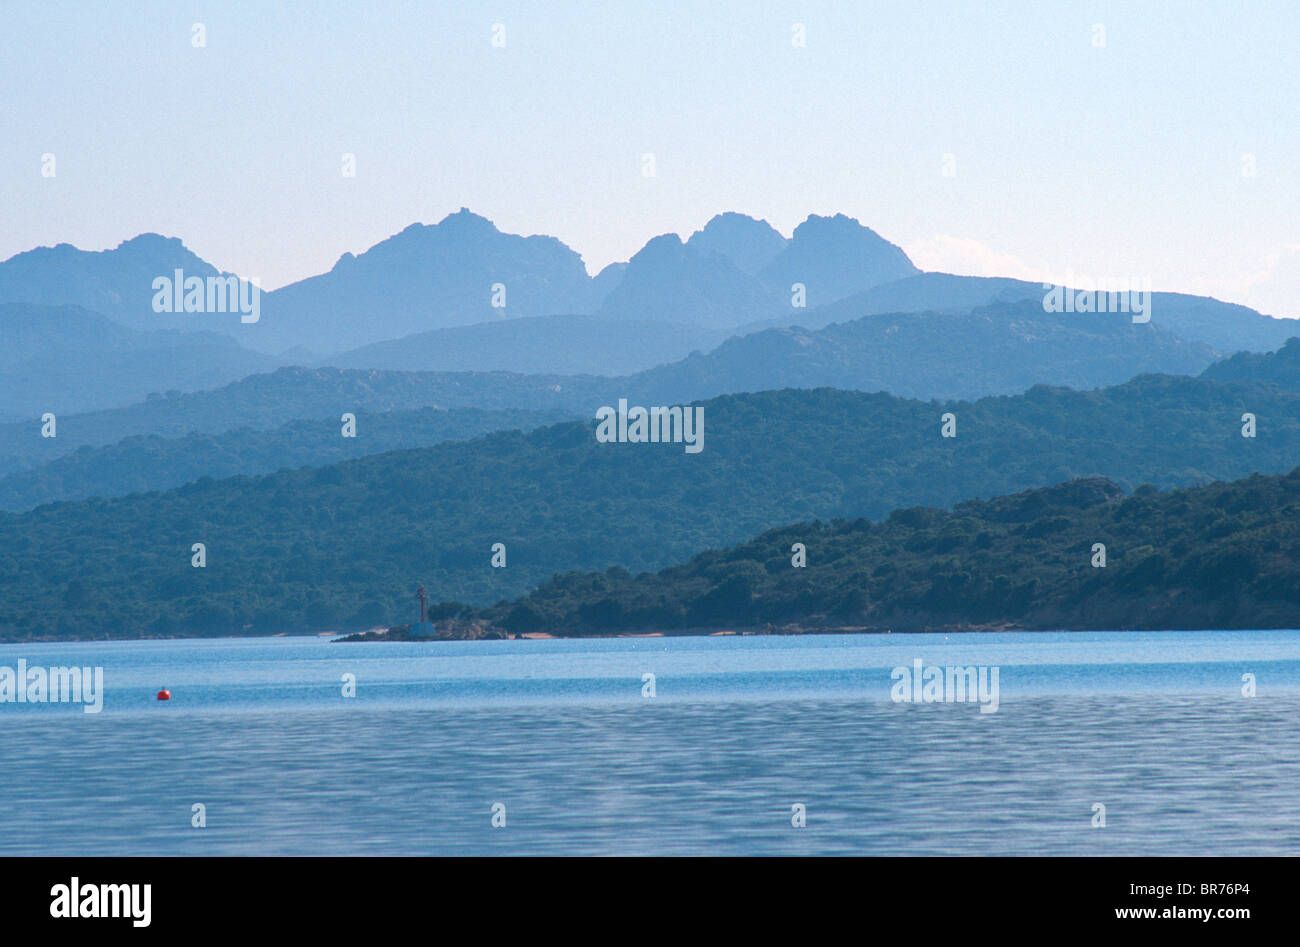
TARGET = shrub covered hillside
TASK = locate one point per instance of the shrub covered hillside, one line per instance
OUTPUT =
(141, 463)
(1225, 555)
(342, 546)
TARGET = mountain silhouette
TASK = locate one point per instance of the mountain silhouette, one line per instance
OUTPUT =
(834, 257)
(748, 243)
(426, 277)
(116, 283)
(668, 281)
(423, 298)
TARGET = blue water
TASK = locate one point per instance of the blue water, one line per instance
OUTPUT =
(1153, 726)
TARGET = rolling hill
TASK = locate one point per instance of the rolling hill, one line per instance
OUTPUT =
(264, 401)
(66, 359)
(341, 546)
(567, 345)
(1002, 349)
(1224, 327)
(1225, 555)
(998, 349)
(143, 463)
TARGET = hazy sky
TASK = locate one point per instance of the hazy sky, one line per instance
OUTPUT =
(1128, 159)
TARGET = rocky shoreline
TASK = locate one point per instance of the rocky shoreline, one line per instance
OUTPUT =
(482, 630)
(450, 630)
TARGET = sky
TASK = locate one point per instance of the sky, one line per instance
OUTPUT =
(1036, 140)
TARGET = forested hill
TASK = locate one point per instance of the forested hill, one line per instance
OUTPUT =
(1076, 556)
(262, 402)
(342, 546)
(143, 463)
(1000, 349)
(1280, 368)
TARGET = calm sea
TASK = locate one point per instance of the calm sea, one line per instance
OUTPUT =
(1154, 727)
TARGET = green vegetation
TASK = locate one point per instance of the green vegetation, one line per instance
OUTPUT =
(341, 547)
(262, 402)
(1219, 556)
(1280, 368)
(140, 463)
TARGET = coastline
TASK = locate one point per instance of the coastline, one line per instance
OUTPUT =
(791, 631)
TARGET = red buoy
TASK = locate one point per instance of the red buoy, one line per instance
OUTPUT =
(164, 695)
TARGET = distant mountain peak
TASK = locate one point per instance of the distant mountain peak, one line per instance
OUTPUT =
(837, 224)
(835, 257)
(660, 246)
(734, 221)
(750, 244)
(426, 277)
(670, 281)
(467, 219)
(151, 241)
(154, 248)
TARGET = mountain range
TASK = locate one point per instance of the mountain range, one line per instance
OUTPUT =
(464, 271)
(473, 362)
(1000, 349)
(422, 300)
(117, 283)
